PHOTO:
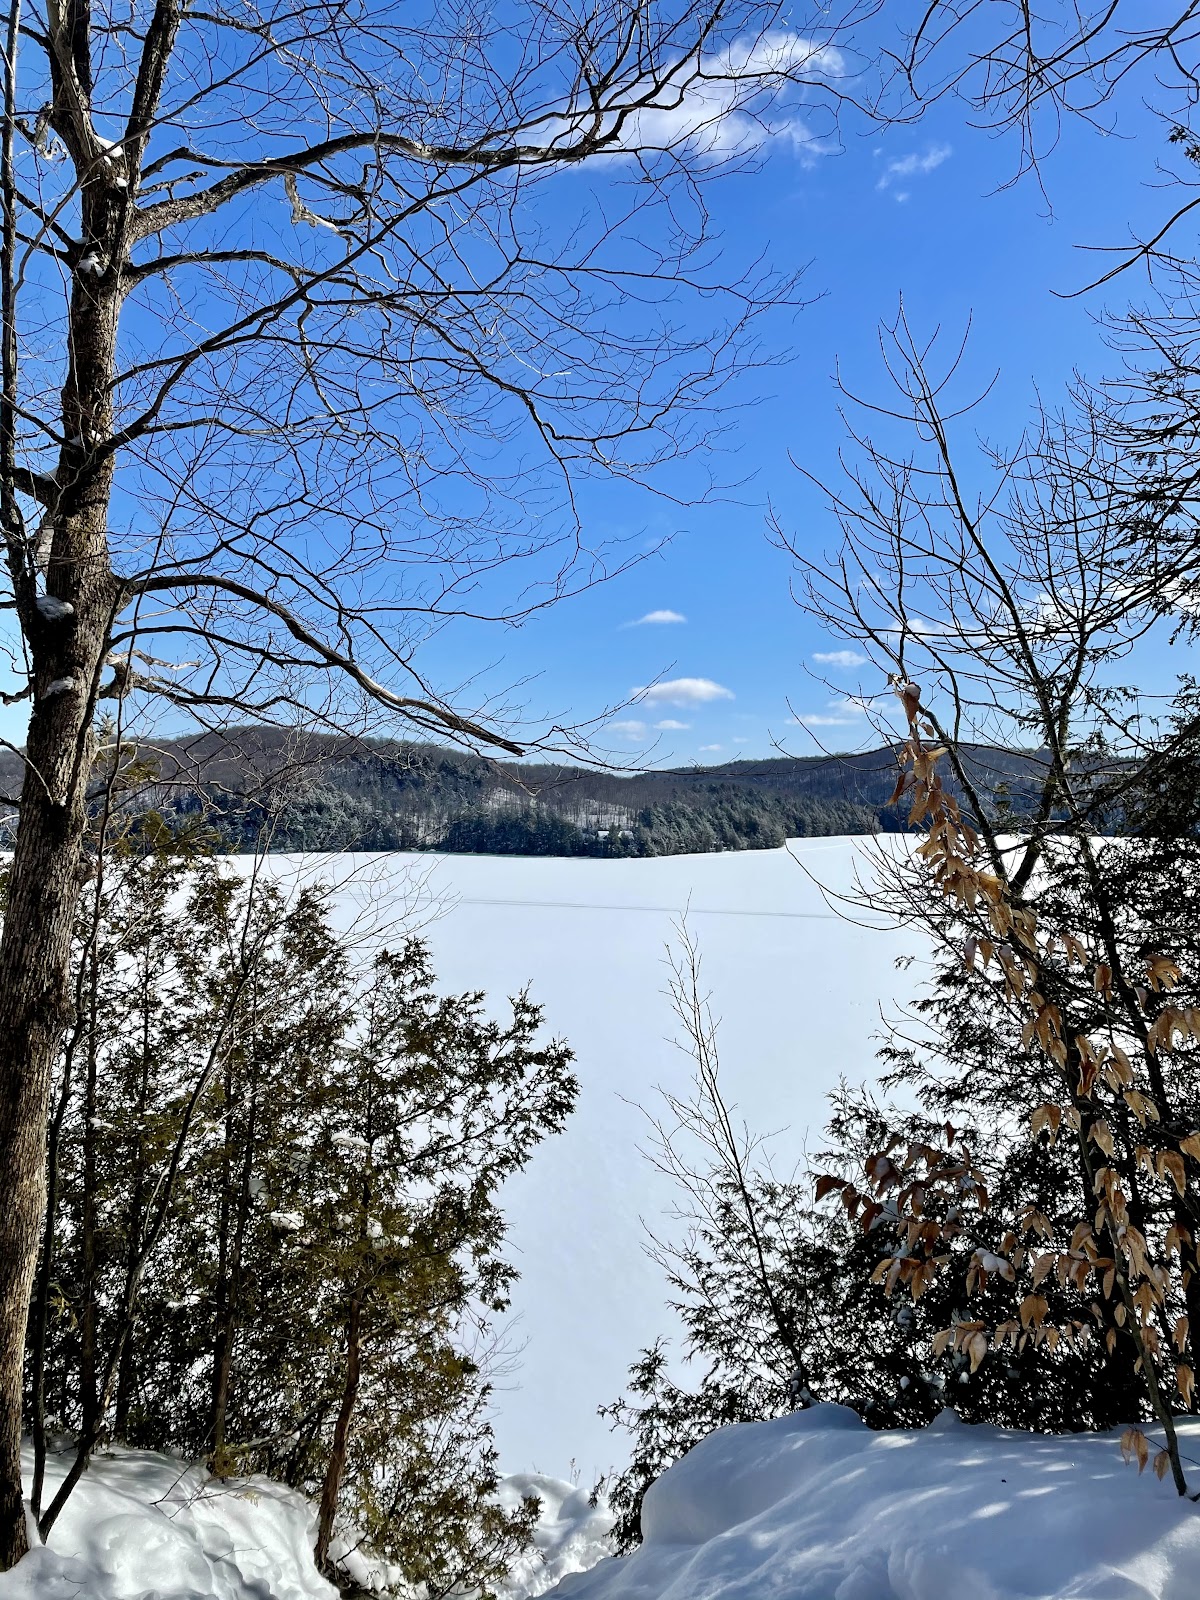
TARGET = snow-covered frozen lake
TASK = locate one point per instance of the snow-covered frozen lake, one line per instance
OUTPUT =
(798, 991)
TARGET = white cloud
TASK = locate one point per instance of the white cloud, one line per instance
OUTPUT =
(627, 729)
(838, 714)
(733, 102)
(682, 692)
(840, 658)
(704, 747)
(852, 705)
(918, 626)
(669, 725)
(655, 617)
(913, 166)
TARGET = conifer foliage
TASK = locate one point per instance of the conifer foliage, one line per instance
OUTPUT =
(275, 1238)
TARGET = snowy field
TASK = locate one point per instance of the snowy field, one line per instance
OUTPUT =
(798, 990)
(808, 1507)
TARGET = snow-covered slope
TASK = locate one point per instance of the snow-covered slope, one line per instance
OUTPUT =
(143, 1526)
(816, 1507)
(571, 1535)
(797, 988)
(808, 1507)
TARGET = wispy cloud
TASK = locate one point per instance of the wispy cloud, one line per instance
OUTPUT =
(840, 658)
(655, 617)
(741, 98)
(682, 692)
(843, 713)
(839, 714)
(707, 747)
(900, 171)
(669, 725)
(629, 728)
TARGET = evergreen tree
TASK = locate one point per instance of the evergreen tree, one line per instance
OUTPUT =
(276, 1239)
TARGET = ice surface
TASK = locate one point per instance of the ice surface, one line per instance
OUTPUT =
(798, 990)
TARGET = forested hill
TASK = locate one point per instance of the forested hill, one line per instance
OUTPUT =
(321, 792)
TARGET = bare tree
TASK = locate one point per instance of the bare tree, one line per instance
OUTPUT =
(298, 364)
(1025, 68)
(718, 1168)
(1026, 71)
(1003, 596)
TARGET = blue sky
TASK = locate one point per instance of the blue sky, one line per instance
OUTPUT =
(925, 212)
(921, 213)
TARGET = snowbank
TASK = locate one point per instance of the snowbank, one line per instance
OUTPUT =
(142, 1526)
(810, 1507)
(816, 1507)
(571, 1535)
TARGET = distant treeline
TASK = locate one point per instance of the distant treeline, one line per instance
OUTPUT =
(327, 818)
(312, 792)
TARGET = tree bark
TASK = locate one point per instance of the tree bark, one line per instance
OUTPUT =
(229, 1296)
(35, 950)
(39, 1315)
(87, 1230)
(133, 1221)
(67, 656)
(341, 1435)
(223, 1294)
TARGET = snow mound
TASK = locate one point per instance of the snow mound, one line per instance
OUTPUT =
(142, 1526)
(815, 1506)
(571, 1536)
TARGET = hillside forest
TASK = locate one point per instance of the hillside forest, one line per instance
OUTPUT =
(259, 789)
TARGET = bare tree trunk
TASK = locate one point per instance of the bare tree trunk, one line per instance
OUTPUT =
(68, 654)
(222, 1371)
(126, 1315)
(341, 1435)
(133, 1224)
(39, 1316)
(231, 1280)
(223, 1294)
(35, 951)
